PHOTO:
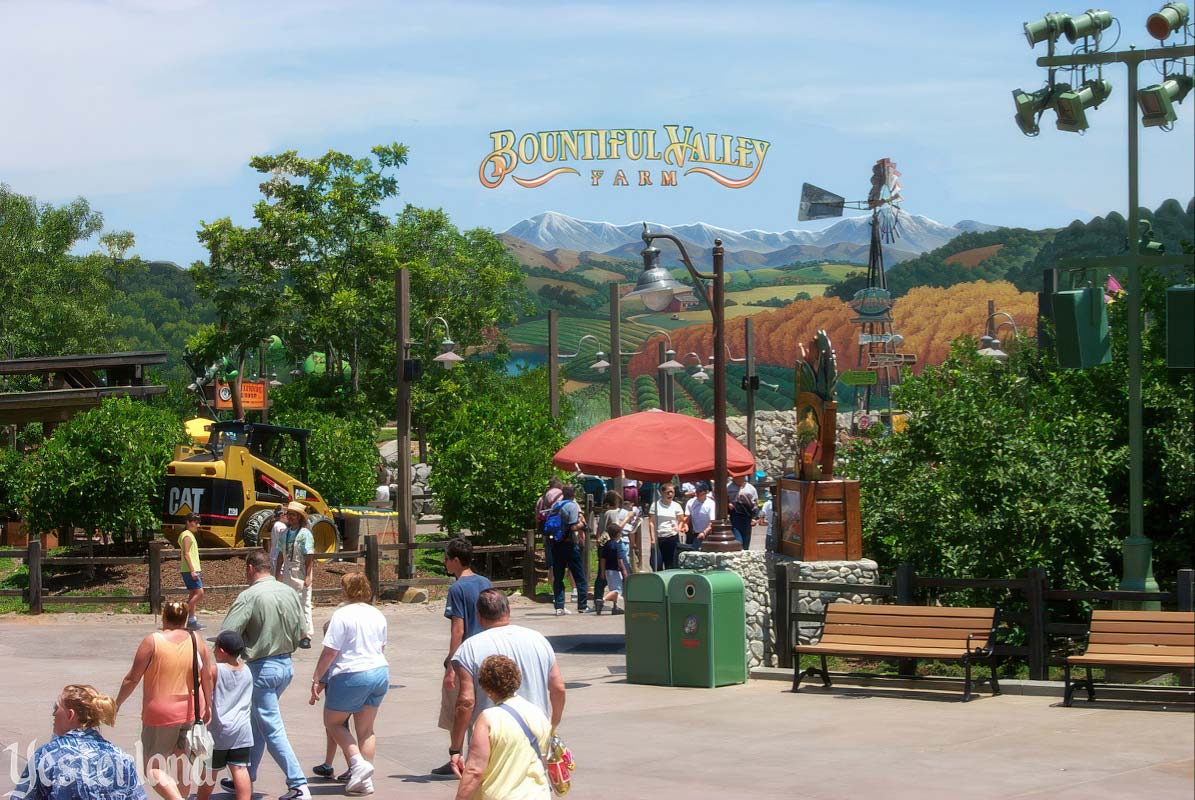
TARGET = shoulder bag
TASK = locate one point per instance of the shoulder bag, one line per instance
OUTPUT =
(198, 739)
(558, 764)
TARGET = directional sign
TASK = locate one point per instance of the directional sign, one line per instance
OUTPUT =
(863, 377)
(890, 359)
(875, 338)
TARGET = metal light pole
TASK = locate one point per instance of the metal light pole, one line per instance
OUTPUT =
(1137, 548)
(616, 354)
(657, 288)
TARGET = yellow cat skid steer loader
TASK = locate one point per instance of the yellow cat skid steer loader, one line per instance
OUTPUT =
(235, 481)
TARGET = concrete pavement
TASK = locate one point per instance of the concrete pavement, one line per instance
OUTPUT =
(752, 741)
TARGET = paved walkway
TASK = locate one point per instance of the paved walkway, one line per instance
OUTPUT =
(753, 741)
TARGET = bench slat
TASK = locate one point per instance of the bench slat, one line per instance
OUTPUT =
(1143, 649)
(912, 611)
(1139, 660)
(895, 621)
(917, 644)
(904, 632)
(1180, 640)
(1105, 625)
(883, 651)
(1143, 616)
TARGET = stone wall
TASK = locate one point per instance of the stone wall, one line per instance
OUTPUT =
(419, 485)
(776, 439)
(752, 567)
(862, 572)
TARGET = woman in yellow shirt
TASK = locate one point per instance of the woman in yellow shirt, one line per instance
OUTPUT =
(501, 762)
(192, 570)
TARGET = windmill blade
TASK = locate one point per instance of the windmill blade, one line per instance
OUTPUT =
(817, 203)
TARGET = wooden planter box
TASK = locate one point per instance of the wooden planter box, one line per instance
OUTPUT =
(15, 535)
(819, 520)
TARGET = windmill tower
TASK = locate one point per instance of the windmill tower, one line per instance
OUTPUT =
(878, 341)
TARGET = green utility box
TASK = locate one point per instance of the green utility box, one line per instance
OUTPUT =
(1180, 327)
(1081, 328)
(707, 629)
(646, 618)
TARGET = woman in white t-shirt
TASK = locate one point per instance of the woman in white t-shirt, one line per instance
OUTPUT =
(665, 521)
(354, 671)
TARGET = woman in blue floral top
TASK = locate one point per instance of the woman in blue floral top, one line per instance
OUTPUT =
(78, 763)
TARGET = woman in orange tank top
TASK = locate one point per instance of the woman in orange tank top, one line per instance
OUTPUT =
(165, 660)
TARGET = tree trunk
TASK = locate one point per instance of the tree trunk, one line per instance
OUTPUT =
(353, 365)
(238, 409)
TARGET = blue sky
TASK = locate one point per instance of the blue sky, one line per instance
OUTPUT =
(152, 109)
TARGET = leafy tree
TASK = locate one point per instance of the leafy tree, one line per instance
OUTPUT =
(1004, 467)
(491, 455)
(342, 453)
(63, 298)
(105, 469)
(309, 271)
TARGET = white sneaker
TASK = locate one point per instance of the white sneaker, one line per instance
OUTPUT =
(366, 788)
(358, 776)
(560, 612)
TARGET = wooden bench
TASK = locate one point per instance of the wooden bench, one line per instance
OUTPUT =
(1133, 639)
(965, 635)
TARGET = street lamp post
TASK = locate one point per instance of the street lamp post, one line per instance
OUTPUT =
(991, 344)
(1137, 572)
(406, 373)
(656, 287)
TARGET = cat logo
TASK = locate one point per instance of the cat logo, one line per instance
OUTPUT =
(183, 500)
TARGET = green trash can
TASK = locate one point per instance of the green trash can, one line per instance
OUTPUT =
(707, 629)
(645, 615)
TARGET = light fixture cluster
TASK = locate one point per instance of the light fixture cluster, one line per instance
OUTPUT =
(1071, 103)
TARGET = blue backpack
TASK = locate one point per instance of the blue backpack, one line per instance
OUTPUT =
(554, 522)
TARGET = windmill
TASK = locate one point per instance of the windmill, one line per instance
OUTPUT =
(873, 304)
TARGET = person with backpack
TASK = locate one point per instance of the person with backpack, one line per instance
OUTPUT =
(563, 528)
(542, 507)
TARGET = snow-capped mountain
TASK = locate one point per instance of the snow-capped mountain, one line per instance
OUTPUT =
(552, 230)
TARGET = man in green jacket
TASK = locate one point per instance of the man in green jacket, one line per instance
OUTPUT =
(269, 618)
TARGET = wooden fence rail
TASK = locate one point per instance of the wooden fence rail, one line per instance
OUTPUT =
(373, 553)
(1032, 590)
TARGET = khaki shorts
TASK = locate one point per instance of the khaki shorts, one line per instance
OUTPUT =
(448, 704)
(162, 740)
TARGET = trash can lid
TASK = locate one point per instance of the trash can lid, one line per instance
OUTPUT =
(651, 587)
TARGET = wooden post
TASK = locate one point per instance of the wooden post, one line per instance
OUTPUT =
(373, 569)
(529, 563)
(553, 364)
(591, 525)
(402, 498)
(783, 617)
(154, 593)
(749, 375)
(33, 560)
(1035, 594)
(902, 582)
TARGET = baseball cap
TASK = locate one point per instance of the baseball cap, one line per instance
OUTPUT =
(702, 486)
(231, 642)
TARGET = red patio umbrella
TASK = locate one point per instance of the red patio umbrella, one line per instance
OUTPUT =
(652, 446)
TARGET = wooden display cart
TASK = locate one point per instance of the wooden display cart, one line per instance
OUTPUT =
(819, 520)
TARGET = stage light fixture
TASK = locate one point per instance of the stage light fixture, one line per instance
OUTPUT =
(1029, 106)
(1157, 101)
(1048, 27)
(1071, 106)
(1089, 23)
(1171, 17)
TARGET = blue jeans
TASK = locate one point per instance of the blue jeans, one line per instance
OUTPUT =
(271, 676)
(567, 555)
(741, 523)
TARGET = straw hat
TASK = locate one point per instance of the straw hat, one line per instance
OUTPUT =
(298, 508)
